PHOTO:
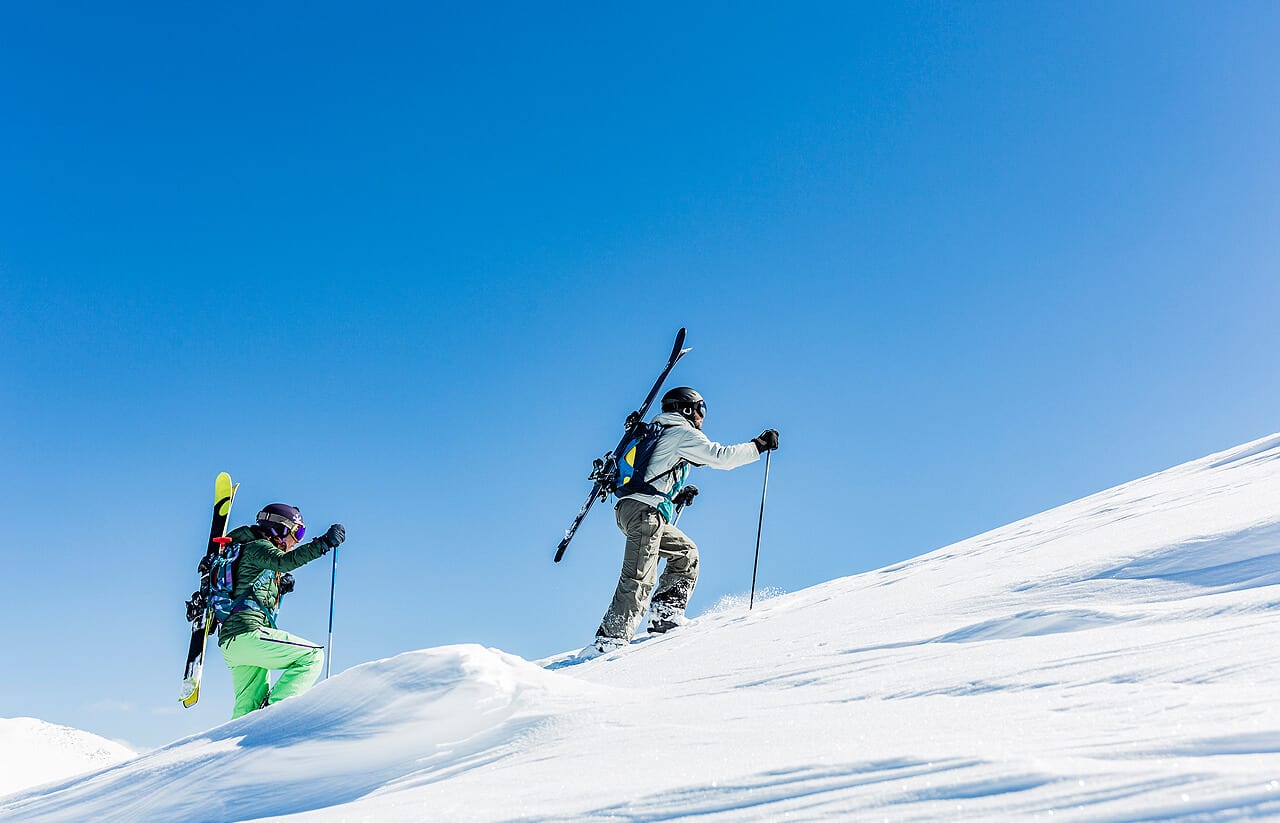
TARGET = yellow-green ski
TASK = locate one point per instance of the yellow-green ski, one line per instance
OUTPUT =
(198, 612)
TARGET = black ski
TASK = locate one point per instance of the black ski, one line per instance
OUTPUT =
(605, 467)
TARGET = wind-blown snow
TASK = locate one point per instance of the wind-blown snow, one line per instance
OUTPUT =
(36, 752)
(1117, 658)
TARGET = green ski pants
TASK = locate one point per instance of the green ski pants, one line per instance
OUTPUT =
(252, 655)
(648, 538)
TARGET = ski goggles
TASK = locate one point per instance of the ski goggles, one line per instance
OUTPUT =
(290, 527)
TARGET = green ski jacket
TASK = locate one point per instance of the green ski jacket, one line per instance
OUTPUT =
(259, 555)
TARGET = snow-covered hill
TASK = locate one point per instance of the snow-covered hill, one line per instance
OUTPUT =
(36, 752)
(1117, 658)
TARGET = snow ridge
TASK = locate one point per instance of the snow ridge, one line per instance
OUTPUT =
(453, 707)
(45, 752)
(1116, 658)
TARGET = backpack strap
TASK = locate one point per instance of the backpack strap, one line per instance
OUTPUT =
(652, 489)
(249, 601)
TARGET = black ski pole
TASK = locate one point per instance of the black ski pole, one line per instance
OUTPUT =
(333, 584)
(759, 528)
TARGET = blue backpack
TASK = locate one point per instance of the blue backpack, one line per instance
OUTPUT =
(633, 461)
(222, 583)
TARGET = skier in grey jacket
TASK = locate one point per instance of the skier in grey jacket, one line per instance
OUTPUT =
(645, 519)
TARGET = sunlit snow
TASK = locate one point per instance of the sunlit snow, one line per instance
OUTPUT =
(1117, 658)
(33, 752)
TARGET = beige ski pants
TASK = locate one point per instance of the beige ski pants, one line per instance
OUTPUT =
(648, 538)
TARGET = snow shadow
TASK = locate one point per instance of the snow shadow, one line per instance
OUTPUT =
(1243, 560)
(1265, 450)
(1240, 744)
(807, 791)
(1033, 623)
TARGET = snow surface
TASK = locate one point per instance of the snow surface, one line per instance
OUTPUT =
(1117, 658)
(36, 752)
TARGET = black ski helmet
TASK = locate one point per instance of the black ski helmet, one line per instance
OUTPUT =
(279, 519)
(684, 400)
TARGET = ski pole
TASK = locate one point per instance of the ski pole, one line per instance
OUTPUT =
(676, 519)
(759, 528)
(333, 584)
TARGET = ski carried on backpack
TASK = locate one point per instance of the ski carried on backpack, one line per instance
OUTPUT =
(604, 470)
(199, 614)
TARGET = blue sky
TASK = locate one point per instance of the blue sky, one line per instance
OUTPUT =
(409, 269)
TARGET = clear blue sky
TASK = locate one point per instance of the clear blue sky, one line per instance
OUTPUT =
(408, 269)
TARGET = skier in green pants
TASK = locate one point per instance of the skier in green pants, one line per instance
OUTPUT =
(250, 642)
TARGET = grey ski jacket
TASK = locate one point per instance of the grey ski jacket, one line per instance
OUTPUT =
(683, 442)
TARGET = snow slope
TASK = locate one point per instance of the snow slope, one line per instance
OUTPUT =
(1117, 658)
(36, 752)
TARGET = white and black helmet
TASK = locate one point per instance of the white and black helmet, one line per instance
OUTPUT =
(685, 401)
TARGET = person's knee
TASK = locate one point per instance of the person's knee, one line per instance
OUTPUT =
(685, 565)
(677, 542)
(313, 659)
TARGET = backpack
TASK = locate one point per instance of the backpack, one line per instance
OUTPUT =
(633, 461)
(222, 584)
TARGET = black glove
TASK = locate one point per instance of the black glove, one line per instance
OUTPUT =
(286, 583)
(334, 537)
(767, 441)
(685, 496)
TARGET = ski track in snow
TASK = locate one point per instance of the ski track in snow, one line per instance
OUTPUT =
(1113, 659)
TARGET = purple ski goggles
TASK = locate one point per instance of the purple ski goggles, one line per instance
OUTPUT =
(290, 526)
